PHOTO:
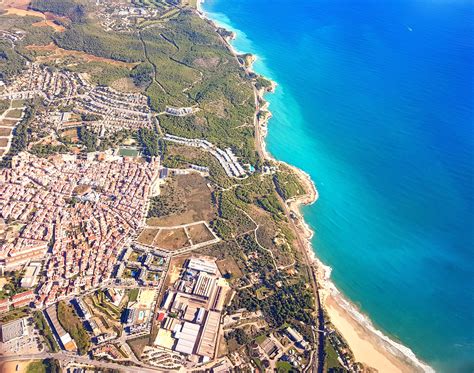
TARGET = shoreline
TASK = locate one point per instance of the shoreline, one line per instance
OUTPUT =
(368, 344)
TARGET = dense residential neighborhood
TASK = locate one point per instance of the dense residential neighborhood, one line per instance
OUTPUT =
(143, 227)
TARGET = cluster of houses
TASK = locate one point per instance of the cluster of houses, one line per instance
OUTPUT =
(19, 300)
(179, 112)
(226, 158)
(121, 17)
(90, 208)
(44, 81)
(104, 106)
(12, 37)
(147, 269)
(114, 109)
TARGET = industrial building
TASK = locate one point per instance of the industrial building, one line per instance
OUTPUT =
(66, 342)
(196, 301)
(13, 329)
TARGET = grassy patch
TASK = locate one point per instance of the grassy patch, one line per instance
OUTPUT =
(4, 105)
(36, 367)
(45, 331)
(73, 325)
(138, 344)
(283, 367)
(15, 113)
(132, 297)
(331, 360)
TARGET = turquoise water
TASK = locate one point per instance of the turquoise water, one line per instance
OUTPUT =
(375, 102)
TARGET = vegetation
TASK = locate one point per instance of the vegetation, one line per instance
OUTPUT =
(4, 105)
(88, 117)
(12, 286)
(331, 360)
(262, 83)
(239, 335)
(45, 331)
(284, 367)
(150, 141)
(163, 206)
(287, 184)
(132, 297)
(142, 74)
(92, 39)
(21, 136)
(66, 8)
(11, 62)
(44, 366)
(15, 314)
(41, 150)
(88, 138)
(138, 344)
(71, 322)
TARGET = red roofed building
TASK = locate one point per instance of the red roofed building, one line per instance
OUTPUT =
(4, 305)
(160, 317)
(23, 299)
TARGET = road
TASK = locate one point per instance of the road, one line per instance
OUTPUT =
(319, 362)
(64, 358)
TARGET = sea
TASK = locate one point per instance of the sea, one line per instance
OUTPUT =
(375, 100)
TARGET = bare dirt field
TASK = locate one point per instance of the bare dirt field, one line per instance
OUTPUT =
(57, 52)
(229, 266)
(171, 239)
(3, 281)
(188, 194)
(20, 8)
(14, 366)
(3, 142)
(14, 113)
(71, 134)
(147, 236)
(17, 103)
(47, 22)
(8, 123)
(176, 264)
(199, 233)
(5, 131)
(19, 4)
(125, 85)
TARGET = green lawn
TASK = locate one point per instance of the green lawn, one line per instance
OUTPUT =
(36, 367)
(133, 295)
(125, 152)
(284, 366)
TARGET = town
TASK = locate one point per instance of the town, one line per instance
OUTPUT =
(142, 228)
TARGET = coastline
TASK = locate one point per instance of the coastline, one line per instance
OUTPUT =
(368, 344)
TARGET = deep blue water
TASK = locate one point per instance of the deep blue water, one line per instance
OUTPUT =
(375, 101)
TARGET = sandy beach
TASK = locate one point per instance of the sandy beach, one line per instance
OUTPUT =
(365, 345)
(368, 345)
